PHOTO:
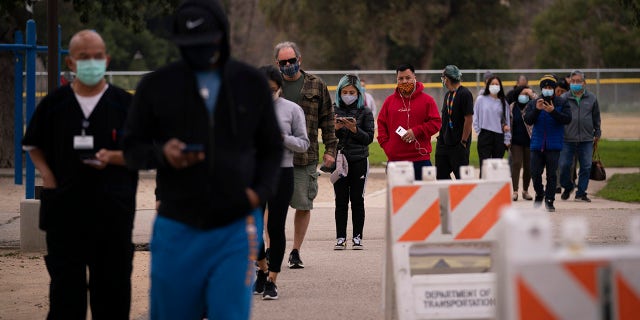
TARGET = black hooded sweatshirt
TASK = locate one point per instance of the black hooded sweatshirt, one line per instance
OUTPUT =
(242, 139)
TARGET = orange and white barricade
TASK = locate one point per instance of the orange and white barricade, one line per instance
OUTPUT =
(439, 244)
(538, 280)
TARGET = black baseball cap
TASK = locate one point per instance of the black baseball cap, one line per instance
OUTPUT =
(196, 23)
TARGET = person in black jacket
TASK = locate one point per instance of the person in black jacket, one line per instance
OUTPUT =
(208, 125)
(89, 197)
(354, 130)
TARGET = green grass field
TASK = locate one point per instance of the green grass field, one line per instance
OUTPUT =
(622, 187)
(614, 154)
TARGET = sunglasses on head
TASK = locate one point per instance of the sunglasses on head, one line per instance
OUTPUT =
(283, 63)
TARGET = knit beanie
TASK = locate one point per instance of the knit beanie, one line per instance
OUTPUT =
(548, 80)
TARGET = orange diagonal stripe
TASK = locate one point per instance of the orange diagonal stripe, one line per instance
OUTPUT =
(628, 301)
(531, 308)
(400, 196)
(487, 217)
(587, 274)
(425, 225)
(457, 193)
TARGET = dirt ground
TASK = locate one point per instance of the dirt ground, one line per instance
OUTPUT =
(24, 280)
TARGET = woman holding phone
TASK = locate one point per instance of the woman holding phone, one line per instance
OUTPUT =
(354, 130)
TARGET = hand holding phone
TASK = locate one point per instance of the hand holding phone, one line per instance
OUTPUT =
(401, 131)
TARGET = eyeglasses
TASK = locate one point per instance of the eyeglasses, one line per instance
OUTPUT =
(283, 63)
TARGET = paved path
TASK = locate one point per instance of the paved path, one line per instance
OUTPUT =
(348, 284)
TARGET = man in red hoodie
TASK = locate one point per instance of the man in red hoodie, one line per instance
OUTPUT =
(407, 120)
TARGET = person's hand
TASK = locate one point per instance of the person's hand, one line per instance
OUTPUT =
(350, 123)
(548, 106)
(409, 136)
(339, 123)
(540, 104)
(177, 158)
(328, 160)
(253, 197)
(48, 180)
(506, 128)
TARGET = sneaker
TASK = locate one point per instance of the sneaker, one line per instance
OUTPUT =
(261, 279)
(294, 260)
(341, 244)
(357, 243)
(583, 198)
(566, 193)
(270, 291)
(548, 204)
(514, 197)
(538, 201)
(526, 196)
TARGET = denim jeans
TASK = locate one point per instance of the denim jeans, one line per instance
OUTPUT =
(540, 161)
(584, 152)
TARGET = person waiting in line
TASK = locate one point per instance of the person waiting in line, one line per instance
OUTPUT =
(312, 94)
(207, 124)
(491, 121)
(355, 130)
(407, 120)
(454, 139)
(294, 137)
(548, 115)
(522, 82)
(88, 200)
(520, 142)
(580, 136)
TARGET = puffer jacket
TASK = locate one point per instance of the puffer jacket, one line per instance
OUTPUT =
(355, 146)
(548, 127)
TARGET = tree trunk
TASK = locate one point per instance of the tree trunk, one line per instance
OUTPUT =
(7, 112)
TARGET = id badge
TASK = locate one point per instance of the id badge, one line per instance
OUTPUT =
(82, 142)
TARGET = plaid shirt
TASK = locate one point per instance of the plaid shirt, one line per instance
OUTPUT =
(318, 111)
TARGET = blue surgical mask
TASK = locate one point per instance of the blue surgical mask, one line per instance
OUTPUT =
(290, 70)
(348, 99)
(91, 71)
(523, 98)
(575, 87)
(548, 92)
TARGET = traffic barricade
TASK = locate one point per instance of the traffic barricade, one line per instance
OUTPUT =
(440, 238)
(540, 280)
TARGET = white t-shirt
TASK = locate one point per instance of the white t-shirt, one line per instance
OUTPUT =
(87, 104)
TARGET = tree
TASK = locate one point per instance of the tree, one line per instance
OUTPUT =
(592, 34)
(13, 16)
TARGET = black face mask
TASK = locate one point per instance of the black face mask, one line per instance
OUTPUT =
(200, 57)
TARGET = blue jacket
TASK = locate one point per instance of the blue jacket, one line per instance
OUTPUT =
(548, 127)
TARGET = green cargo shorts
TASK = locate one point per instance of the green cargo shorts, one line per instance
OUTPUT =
(305, 186)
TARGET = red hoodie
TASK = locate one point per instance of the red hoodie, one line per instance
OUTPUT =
(424, 119)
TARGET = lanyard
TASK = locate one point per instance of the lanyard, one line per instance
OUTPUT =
(450, 107)
(85, 125)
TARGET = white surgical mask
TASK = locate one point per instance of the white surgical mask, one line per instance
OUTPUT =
(349, 99)
(548, 92)
(494, 89)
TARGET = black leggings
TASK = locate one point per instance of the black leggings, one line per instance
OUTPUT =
(351, 188)
(490, 145)
(278, 206)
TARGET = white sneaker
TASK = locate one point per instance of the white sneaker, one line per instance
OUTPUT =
(514, 197)
(357, 243)
(341, 244)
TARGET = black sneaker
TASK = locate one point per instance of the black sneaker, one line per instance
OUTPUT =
(270, 291)
(341, 244)
(294, 260)
(261, 279)
(537, 202)
(548, 204)
(357, 243)
(582, 198)
(566, 193)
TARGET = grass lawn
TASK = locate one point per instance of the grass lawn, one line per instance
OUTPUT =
(622, 187)
(614, 154)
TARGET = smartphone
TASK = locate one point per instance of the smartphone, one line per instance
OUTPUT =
(93, 161)
(349, 118)
(193, 147)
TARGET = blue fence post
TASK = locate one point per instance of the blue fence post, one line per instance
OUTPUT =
(31, 100)
(18, 104)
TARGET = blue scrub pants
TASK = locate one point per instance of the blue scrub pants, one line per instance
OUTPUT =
(196, 272)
